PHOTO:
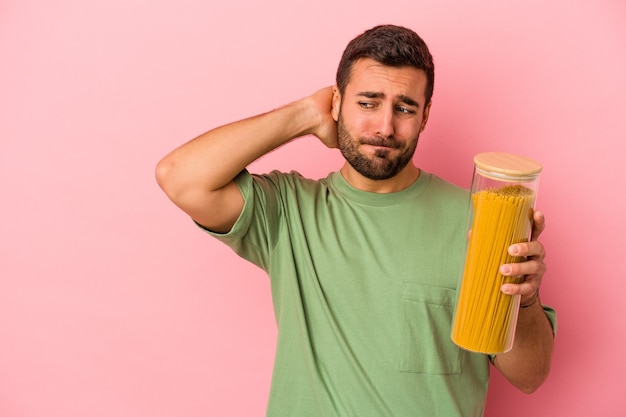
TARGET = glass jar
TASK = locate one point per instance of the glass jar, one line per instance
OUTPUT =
(503, 192)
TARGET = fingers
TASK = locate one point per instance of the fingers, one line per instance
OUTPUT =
(528, 268)
(321, 104)
(526, 289)
(533, 268)
(533, 249)
(539, 224)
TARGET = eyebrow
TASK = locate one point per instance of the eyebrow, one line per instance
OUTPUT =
(373, 94)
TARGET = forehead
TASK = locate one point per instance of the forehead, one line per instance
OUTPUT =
(372, 76)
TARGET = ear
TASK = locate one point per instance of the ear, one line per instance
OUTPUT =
(336, 103)
(425, 116)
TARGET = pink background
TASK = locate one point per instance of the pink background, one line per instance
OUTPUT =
(113, 304)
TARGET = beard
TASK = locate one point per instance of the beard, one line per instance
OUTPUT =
(383, 165)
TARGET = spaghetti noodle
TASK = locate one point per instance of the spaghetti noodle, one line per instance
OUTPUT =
(485, 317)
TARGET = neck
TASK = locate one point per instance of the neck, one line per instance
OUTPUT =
(399, 182)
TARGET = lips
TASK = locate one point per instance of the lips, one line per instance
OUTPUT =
(384, 143)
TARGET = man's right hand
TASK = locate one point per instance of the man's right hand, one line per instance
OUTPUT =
(326, 127)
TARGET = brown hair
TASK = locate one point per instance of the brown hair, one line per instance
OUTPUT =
(389, 45)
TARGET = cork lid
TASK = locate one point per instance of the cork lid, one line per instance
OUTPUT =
(506, 166)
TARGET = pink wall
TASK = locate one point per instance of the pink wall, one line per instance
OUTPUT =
(113, 304)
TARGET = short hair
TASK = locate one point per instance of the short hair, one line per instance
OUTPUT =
(390, 45)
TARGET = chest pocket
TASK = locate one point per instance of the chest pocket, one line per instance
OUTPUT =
(426, 346)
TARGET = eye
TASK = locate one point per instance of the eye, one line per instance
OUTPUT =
(405, 110)
(366, 105)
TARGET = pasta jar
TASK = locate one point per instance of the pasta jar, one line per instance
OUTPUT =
(503, 192)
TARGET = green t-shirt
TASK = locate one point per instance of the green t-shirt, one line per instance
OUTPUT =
(364, 287)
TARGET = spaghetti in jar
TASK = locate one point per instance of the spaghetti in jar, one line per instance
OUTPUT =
(503, 192)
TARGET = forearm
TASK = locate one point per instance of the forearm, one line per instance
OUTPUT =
(527, 364)
(212, 160)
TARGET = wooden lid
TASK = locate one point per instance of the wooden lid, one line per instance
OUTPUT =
(499, 165)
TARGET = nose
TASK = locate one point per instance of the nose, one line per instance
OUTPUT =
(384, 122)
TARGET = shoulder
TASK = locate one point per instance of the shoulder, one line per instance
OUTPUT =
(287, 181)
(276, 188)
(446, 189)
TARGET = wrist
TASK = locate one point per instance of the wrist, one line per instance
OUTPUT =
(531, 301)
(298, 118)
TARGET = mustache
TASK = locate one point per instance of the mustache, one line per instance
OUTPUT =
(381, 141)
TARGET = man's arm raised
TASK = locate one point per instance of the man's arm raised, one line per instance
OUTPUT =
(198, 176)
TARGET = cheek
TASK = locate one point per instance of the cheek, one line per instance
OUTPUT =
(408, 131)
(366, 125)
(355, 124)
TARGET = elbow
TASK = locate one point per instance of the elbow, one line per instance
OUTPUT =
(177, 185)
(161, 172)
(165, 177)
(532, 383)
(529, 388)
(525, 375)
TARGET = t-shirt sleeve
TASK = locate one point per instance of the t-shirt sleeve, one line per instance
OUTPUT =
(253, 234)
(551, 314)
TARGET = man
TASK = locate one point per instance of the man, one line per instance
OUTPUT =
(364, 264)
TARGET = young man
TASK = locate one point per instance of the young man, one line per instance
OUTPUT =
(364, 264)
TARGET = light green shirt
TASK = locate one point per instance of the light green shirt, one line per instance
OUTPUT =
(363, 286)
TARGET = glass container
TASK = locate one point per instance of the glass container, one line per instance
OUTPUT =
(503, 193)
